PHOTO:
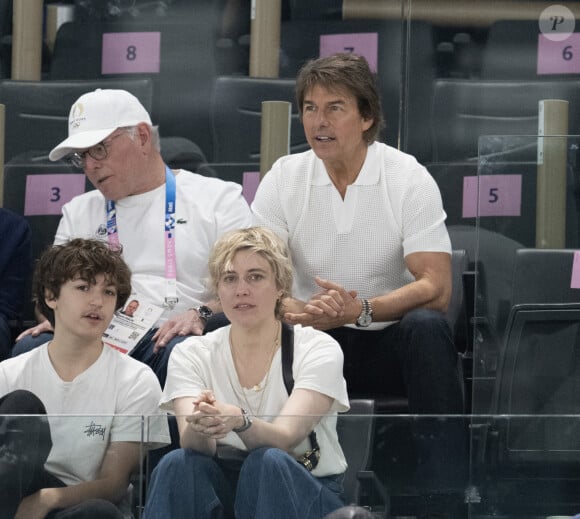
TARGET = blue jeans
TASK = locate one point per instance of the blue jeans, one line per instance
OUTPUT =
(142, 352)
(186, 484)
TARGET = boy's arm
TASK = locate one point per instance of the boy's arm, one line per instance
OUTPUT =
(121, 459)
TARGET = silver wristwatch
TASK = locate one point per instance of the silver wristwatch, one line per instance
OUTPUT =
(366, 316)
(247, 422)
(204, 312)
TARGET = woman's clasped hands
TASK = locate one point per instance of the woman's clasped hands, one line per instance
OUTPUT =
(211, 418)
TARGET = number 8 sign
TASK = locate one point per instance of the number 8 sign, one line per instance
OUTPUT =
(131, 52)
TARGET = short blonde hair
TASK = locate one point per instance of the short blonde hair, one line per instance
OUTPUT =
(262, 241)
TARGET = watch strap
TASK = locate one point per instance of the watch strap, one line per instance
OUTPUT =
(365, 317)
(247, 422)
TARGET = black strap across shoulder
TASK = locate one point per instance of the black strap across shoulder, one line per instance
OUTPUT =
(310, 458)
(288, 356)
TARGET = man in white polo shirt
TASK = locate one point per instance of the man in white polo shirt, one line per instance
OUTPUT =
(366, 229)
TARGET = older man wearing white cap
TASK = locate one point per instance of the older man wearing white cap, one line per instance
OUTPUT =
(166, 221)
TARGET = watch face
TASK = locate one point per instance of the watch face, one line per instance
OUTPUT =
(364, 320)
(204, 312)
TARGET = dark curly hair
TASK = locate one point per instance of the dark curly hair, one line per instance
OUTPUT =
(79, 258)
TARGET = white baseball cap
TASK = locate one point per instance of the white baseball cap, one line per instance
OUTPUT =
(95, 115)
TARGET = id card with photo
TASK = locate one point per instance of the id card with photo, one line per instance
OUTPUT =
(131, 323)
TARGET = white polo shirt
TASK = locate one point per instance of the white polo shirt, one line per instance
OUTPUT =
(392, 209)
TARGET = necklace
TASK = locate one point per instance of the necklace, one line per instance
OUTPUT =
(259, 387)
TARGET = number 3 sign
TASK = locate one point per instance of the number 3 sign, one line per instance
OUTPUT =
(46, 194)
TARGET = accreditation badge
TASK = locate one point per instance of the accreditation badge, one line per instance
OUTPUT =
(131, 323)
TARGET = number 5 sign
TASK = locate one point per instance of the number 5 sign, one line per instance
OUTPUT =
(499, 195)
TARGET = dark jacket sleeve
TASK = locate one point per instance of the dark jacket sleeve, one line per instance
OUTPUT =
(15, 263)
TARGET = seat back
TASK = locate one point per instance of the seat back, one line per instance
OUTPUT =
(236, 115)
(544, 276)
(528, 458)
(539, 365)
(356, 436)
(539, 371)
(493, 256)
(463, 110)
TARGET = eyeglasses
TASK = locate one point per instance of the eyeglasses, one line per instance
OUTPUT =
(99, 151)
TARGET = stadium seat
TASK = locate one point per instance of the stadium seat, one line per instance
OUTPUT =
(236, 111)
(464, 110)
(524, 462)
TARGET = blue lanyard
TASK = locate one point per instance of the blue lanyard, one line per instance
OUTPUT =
(171, 298)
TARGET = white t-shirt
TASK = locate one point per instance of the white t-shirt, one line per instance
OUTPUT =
(206, 363)
(392, 209)
(103, 404)
(205, 208)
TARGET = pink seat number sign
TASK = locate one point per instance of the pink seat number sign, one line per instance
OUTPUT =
(131, 52)
(559, 57)
(499, 195)
(46, 194)
(365, 43)
(575, 283)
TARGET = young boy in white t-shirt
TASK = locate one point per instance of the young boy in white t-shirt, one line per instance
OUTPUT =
(76, 461)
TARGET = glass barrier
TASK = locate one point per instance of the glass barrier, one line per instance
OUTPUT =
(39, 451)
(478, 466)
(520, 224)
